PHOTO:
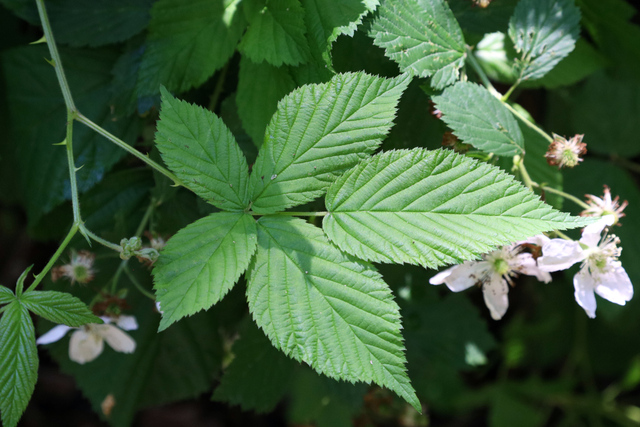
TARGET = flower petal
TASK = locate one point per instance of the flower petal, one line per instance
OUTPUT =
(615, 286)
(462, 276)
(55, 334)
(526, 264)
(583, 285)
(127, 323)
(560, 254)
(539, 240)
(85, 345)
(117, 339)
(591, 233)
(495, 296)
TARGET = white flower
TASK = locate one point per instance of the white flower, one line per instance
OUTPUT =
(494, 274)
(80, 268)
(87, 342)
(601, 272)
(605, 205)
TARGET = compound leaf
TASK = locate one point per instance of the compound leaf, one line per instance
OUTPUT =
(479, 119)
(276, 33)
(187, 43)
(325, 309)
(59, 307)
(18, 362)
(318, 131)
(422, 36)
(544, 32)
(201, 263)
(432, 208)
(203, 153)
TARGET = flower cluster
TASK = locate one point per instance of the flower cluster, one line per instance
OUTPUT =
(600, 272)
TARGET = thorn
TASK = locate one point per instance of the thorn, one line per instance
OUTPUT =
(50, 62)
(64, 142)
(42, 39)
(77, 169)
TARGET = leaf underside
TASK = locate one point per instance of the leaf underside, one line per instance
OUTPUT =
(422, 36)
(322, 308)
(18, 362)
(317, 132)
(544, 32)
(201, 263)
(203, 153)
(59, 307)
(479, 119)
(432, 208)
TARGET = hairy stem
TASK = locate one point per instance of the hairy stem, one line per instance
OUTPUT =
(100, 240)
(38, 278)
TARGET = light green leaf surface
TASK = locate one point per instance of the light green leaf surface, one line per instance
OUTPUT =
(59, 307)
(260, 87)
(422, 36)
(201, 263)
(276, 32)
(187, 42)
(479, 119)
(318, 131)
(259, 374)
(432, 208)
(6, 295)
(543, 32)
(328, 19)
(325, 309)
(203, 153)
(18, 362)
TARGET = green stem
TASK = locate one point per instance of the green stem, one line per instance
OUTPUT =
(523, 171)
(145, 219)
(129, 149)
(75, 200)
(218, 89)
(563, 194)
(38, 278)
(480, 72)
(506, 96)
(137, 284)
(529, 124)
(55, 56)
(100, 240)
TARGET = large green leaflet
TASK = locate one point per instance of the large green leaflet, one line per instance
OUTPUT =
(202, 262)
(432, 208)
(59, 307)
(276, 32)
(544, 32)
(422, 36)
(479, 119)
(201, 150)
(18, 362)
(318, 131)
(326, 309)
(187, 42)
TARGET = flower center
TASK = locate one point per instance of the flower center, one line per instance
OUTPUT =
(501, 266)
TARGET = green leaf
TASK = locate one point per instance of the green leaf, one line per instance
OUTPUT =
(59, 307)
(38, 117)
(544, 32)
(422, 36)
(187, 43)
(96, 23)
(328, 19)
(202, 262)
(317, 132)
(480, 119)
(325, 309)
(276, 32)
(260, 87)
(18, 362)
(6, 295)
(203, 153)
(259, 375)
(432, 208)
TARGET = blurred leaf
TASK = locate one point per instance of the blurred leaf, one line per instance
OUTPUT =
(478, 20)
(259, 375)
(97, 22)
(509, 409)
(180, 53)
(25, 9)
(276, 32)
(38, 117)
(606, 112)
(59, 307)
(260, 87)
(18, 362)
(6, 295)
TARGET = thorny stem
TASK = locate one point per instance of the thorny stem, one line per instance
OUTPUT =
(38, 278)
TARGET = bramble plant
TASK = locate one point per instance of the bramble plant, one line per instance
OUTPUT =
(284, 178)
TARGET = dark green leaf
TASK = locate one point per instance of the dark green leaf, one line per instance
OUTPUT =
(187, 43)
(322, 308)
(18, 362)
(202, 262)
(59, 307)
